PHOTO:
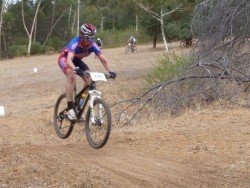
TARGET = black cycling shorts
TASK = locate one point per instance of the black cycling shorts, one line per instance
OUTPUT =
(79, 63)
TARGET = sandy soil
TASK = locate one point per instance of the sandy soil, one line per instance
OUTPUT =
(203, 148)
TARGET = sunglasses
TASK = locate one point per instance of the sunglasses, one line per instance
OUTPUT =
(87, 37)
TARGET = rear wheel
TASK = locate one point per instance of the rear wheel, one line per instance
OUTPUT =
(98, 124)
(62, 125)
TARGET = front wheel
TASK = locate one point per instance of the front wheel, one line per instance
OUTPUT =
(98, 124)
(127, 50)
(134, 49)
(183, 44)
(62, 125)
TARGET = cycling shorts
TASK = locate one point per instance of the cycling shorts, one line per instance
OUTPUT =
(62, 62)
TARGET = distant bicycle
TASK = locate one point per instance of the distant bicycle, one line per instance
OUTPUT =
(98, 116)
(186, 42)
(130, 49)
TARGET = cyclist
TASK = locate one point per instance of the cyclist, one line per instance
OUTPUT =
(132, 41)
(71, 64)
(99, 42)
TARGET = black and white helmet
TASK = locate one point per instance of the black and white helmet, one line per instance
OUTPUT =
(88, 30)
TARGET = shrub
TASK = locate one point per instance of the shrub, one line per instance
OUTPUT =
(20, 40)
(36, 48)
(56, 43)
(167, 67)
(16, 51)
(172, 31)
(49, 50)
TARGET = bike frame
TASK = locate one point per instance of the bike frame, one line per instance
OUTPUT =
(91, 96)
(97, 114)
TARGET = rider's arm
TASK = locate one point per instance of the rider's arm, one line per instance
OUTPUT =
(70, 58)
(104, 61)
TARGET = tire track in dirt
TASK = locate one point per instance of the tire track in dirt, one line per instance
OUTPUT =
(88, 166)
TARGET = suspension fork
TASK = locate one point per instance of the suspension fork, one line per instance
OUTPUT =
(94, 94)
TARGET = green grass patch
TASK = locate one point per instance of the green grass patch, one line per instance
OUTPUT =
(167, 67)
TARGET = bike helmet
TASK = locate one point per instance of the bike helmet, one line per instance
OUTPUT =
(88, 30)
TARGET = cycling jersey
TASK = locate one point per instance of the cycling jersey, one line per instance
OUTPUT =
(132, 40)
(80, 50)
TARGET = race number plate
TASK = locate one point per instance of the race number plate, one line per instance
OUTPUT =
(97, 76)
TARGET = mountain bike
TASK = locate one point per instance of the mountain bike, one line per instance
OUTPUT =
(186, 42)
(130, 49)
(98, 115)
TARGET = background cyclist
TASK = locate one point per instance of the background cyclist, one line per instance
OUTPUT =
(99, 42)
(132, 41)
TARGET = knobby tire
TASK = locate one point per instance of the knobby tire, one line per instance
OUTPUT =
(88, 125)
(56, 123)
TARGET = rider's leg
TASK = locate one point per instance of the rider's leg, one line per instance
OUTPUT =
(70, 84)
(86, 79)
(71, 77)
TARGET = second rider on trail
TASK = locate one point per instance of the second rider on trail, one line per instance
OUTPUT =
(70, 61)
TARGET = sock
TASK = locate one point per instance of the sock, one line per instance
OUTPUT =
(71, 105)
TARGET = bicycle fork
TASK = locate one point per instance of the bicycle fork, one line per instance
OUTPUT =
(94, 94)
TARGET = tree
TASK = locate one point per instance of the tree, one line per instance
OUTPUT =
(53, 21)
(30, 33)
(219, 67)
(152, 27)
(161, 10)
(222, 29)
(4, 5)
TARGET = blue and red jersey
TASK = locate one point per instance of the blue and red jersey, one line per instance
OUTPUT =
(80, 48)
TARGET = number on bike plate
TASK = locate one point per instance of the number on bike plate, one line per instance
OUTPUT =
(97, 76)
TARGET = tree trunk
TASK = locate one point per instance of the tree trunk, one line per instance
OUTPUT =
(53, 13)
(29, 45)
(35, 27)
(73, 23)
(78, 17)
(163, 33)
(30, 33)
(4, 42)
(1, 23)
(70, 10)
(136, 22)
(154, 41)
(102, 21)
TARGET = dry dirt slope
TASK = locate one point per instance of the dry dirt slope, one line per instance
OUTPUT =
(206, 148)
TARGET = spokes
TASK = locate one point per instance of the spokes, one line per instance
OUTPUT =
(62, 125)
(98, 124)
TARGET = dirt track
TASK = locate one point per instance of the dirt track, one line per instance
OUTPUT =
(206, 148)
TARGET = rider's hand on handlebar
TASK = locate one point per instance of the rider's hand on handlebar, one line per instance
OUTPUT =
(112, 74)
